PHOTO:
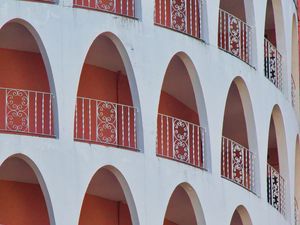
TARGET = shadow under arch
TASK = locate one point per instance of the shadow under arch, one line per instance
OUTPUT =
(191, 196)
(280, 137)
(46, 62)
(240, 216)
(121, 50)
(28, 161)
(194, 78)
(113, 171)
(247, 114)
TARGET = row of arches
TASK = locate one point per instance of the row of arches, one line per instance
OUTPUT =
(106, 109)
(108, 199)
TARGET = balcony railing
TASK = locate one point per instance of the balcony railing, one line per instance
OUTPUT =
(296, 211)
(238, 164)
(293, 91)
(26, 112)
(276, 189)
(120, 7)
(180, 140)
(105, 123)
(273, 64)
(235, 36)
(180, 15)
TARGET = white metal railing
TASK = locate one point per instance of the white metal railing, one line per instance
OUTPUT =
(273, 64)
(296, 211)
(106, 123)
(276, 189)
(180, 140)
(238, 164)
(235, 36)
(26, 111)
(121, 7)
(181, 15)
(293, 91)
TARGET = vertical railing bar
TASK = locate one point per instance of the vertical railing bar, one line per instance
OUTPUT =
(198, 147)
(193, 135)
(28, 111)
(82, 112)
(35, 113)
(43, 113)
(76, 119)
(134, 128)
(50, 114)
(128, 128)
(167, 125)
(123, 128)
(162, 133)
(90, 121)
(117, 123)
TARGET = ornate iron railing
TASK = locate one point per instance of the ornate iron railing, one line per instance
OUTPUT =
(25, 111)
(180, 15)
(273, 64)
(120, 7)
(276, 189)
(235, 36)
(238, 164)
(296, 211)
(180, 140)
(293, 91)
(106, 123)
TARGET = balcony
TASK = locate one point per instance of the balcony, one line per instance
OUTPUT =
(180, 140)
(273, 64)
(238, 164)
(26, 112)
(235, 36)
(180, 16)
(119, 7)
(276, 189)
(105, 123)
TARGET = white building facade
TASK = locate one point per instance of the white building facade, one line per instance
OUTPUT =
(179, 112)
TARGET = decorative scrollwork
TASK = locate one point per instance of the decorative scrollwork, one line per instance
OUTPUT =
(17, 105)
(106, 5)
(275, 191)
(181, 140)
(237, 163)
(178, 17)
(272, 65)
(234, 36)
(107, 123)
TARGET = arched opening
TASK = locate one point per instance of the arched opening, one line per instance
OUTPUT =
(105, 112)
(295, 67)
(276, 166)
(179, 134)
(235, 33)
(21, 196)
(181, 16)
(273, 43)
(26, 101)
(240, 217)
(238, 162)
(184, 208)
(120, 7)
(108, 200)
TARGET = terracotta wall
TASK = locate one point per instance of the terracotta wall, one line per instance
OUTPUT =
(22, 204)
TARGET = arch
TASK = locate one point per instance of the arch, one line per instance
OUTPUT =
(241, 216)
(31, 44)
(274, 44)
(111, 81)
(277, 164)
(236, 34)
(110, 193)
(20, 176)
(181, 89)
(295, 65)
(239, 140)
(184, 207)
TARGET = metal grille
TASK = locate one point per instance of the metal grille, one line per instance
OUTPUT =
(235, 36)
(180, 140)
(26, 111)
(276, 189)
(273, 65)
(106, 123)
(238, 164)
(120, 7)
(180, 15)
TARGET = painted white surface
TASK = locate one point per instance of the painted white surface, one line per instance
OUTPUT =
(67, 166)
